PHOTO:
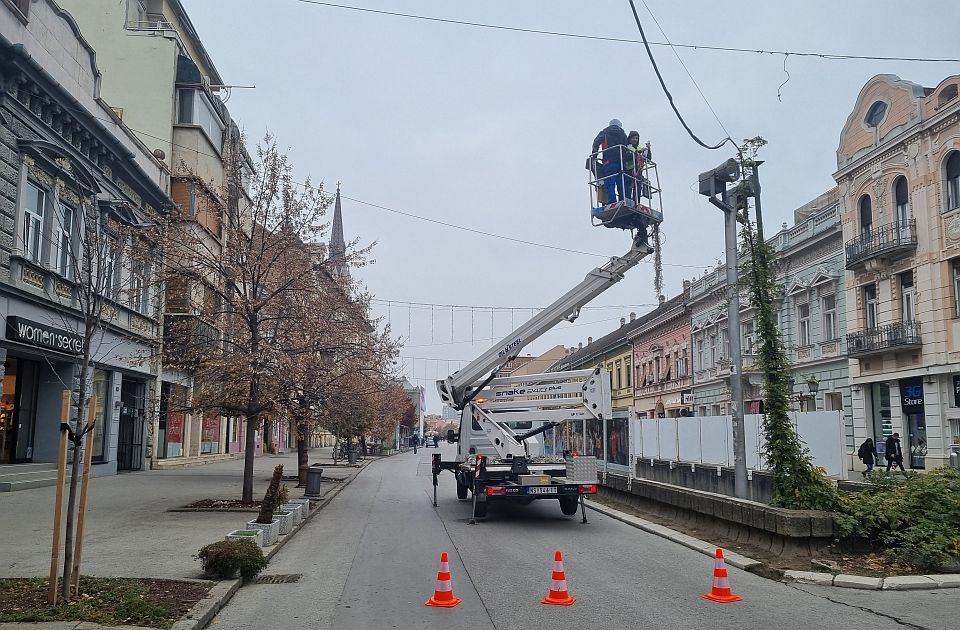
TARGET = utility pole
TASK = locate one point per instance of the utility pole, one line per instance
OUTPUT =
(712, 182)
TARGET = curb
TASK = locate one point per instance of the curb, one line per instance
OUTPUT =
(892, 583)
(204, 611)
(708, 549)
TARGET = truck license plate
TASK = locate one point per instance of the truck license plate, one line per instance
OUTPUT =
(542, 490)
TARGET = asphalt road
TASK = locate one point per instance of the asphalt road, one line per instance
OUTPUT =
(369, 560)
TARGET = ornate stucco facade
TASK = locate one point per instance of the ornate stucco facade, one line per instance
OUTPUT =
(898, 172)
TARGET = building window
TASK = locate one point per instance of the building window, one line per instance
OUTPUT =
(866, 216)
(682, 364)
(906, 297)
(108, 270)
(876, 114)
(629, 374)
(700, 341)
(195, 108)
(955, 264)
(32, 229)
(833, 401)
(724, 344)
(870, 305)
(101, 391)
(953, 180)
(713, 350)
(63, 258)
(619, 375)
(901, 200)
(829, 308)
(803, 324)
(138, 287)
(746, 329)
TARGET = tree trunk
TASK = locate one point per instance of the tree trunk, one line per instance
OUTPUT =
(302, 459)
(75, 467)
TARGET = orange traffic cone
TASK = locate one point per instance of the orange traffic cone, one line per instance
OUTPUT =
(443, 595)
(558, 589)
(720, 592)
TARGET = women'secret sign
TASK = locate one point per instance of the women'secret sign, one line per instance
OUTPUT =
(26, 331)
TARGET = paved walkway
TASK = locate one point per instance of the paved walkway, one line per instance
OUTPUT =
(129, 531)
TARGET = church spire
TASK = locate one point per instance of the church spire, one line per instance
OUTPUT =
(338, 246)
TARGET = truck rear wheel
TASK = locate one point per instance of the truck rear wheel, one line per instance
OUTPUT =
(462, 490)
(569, 505)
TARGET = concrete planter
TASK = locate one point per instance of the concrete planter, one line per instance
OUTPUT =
(255, 535)
(296, 509)
(303, 502)
(286, 519)
(271, 531)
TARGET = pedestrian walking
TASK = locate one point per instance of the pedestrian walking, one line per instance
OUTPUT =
(612, 141)
(894, 453)
(414, 442)
(868, 455)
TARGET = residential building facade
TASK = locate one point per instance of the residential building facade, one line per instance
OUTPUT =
(163, 84)
(898, 173)
(661, 359)
(810, 308)
(71, 172)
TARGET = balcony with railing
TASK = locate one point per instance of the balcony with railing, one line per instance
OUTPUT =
(884, 339)
(188, 337)
(891, 241)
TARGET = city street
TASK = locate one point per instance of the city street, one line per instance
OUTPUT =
(370, 559)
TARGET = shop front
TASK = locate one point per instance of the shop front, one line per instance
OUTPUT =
(914, 446)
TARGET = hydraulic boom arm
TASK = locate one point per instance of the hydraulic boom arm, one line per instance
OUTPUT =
(455, 390)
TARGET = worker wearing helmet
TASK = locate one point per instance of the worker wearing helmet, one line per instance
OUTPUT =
(612, 142)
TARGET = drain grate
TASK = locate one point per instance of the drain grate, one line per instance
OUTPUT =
(281, 578)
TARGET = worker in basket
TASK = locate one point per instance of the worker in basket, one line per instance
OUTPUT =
(637, 157)
(612, 141)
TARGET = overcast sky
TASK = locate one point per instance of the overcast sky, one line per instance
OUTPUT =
(490, 129)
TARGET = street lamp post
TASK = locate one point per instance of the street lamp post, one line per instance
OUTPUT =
(713, 182)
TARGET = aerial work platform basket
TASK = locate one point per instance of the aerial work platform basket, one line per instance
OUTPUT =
(625, 198)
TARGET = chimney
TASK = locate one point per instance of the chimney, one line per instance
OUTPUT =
(589, 340)
(783, 225)
(580, 346)
(623, 320)
(662, 299)
(686, 285)
(633, 316)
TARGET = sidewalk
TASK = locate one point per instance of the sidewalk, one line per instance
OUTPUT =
(129, 531)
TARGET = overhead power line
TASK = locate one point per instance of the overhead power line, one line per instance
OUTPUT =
(624, 40)
(663, 85)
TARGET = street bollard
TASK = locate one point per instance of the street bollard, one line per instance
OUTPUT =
(314, 473)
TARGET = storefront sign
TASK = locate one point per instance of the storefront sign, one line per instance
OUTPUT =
(26, 331)
(911, 395)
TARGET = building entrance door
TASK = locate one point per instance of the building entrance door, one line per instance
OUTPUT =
(916, 439)
(18, 411)
(130, 432)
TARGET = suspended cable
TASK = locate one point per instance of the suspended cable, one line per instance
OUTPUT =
(663, 85)
(757, 51)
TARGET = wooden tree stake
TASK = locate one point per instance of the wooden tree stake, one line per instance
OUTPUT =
(82, 511)
(58, 507)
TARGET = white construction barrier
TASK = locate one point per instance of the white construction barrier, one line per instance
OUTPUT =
(709, 439)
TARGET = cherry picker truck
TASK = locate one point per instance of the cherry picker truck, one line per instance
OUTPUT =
(496, 463)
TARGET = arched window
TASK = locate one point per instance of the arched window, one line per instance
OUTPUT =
(901, 199)
(866, 215)
(953, 180)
